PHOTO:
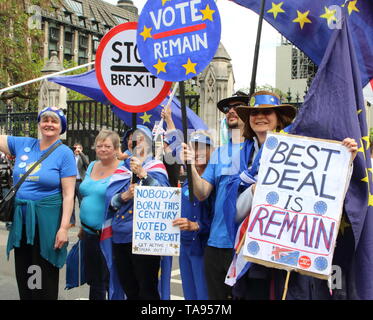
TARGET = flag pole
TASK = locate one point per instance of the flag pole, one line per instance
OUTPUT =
(185, 127)
(257, 47)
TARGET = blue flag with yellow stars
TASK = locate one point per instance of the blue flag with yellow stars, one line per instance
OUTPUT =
(87, 84)
(334, 109)
(309, 24)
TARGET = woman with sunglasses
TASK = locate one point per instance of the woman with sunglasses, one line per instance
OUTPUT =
(264, 114)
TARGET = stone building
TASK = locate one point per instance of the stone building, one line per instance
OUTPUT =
(73, 28)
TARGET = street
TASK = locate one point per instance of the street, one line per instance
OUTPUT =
(8, 285)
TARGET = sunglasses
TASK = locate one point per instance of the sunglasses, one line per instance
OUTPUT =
(265, 112)
(229, 107)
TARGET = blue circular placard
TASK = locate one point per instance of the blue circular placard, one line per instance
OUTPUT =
(321, 263)
(271, 143)
(177, 39)
(272, 197)
(320, 207)
(253, 248)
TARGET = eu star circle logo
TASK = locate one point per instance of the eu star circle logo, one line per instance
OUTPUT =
(177, 39)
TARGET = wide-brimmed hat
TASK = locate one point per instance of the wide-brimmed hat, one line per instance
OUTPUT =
(60, 115)
(223, 105)
(265, 100)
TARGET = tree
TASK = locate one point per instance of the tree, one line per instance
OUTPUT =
(21, 40)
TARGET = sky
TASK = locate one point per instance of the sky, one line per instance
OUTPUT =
(239, 28)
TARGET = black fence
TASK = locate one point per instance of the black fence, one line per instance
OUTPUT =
(19, 124)
(87, 117)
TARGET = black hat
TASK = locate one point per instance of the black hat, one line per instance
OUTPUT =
(238, 96)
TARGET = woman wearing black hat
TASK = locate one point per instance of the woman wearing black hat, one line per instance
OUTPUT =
(264, 114)
(43, 206)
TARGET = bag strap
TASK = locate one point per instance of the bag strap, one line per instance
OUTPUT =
(45, 155)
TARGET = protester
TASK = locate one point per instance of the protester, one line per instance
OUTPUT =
(43, 206)
(92, 209)
(82, 163)
(138, 274)
(226, 160)
(126, 145)
(264, 114)
(195, 225)
(171, 148)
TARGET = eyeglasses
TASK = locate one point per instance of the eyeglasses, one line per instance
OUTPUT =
(230, 106)
(265, 112)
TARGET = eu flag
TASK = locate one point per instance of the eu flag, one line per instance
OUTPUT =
(309, 24)
(87, 84)
(334, 109)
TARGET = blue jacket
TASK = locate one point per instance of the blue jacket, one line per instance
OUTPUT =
(200, 212)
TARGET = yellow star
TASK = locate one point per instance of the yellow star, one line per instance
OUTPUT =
(344, 224)
(302, 18)
(160, 66)
(145, 118)
(370, 200)
(190, 67)
(352, 7)
(207, 13)
(366, 139)
(146, 33)
(164, 1)
(329, 15)
(276, 9)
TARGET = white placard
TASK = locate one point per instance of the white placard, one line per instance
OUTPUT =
(297, 205)
(154, 210)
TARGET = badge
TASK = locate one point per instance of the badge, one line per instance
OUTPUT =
(22, 165)
(27, 149)
(24, 157)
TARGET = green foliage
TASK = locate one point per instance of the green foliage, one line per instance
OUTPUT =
(20, 49)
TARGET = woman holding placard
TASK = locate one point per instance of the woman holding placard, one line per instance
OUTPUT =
(138, 274)
(264, 114)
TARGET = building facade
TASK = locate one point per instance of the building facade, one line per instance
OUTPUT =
(294, 70)
(73, 28)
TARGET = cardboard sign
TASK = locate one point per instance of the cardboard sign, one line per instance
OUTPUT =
(297, 205)
(122, 75)
(177, 39)
(154, 210)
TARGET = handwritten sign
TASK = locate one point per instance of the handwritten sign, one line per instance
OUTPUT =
(154, 210)
(122, 75)
(297, 205)
(177, 39)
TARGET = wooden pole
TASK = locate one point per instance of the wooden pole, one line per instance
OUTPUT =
(286, 285)
(185, 127)
(257, 47)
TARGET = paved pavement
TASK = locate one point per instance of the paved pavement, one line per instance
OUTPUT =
(8, 285)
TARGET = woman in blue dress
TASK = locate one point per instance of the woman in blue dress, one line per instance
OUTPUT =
(92, 210)
(195, 225)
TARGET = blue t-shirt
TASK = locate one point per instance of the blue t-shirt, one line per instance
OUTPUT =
(45, 180)
(224, 162)
(92, 208)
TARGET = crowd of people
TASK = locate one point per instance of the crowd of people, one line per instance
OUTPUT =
(223, 182)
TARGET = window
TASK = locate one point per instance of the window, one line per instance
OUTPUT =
(119, 19)
(82, 22)
(95, 42)
(83, 41)
(76, 6)
(54, 34)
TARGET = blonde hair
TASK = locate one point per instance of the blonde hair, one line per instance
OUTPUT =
(108, 134)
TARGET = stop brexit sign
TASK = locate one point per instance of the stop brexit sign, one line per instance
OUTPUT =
(121, 74)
